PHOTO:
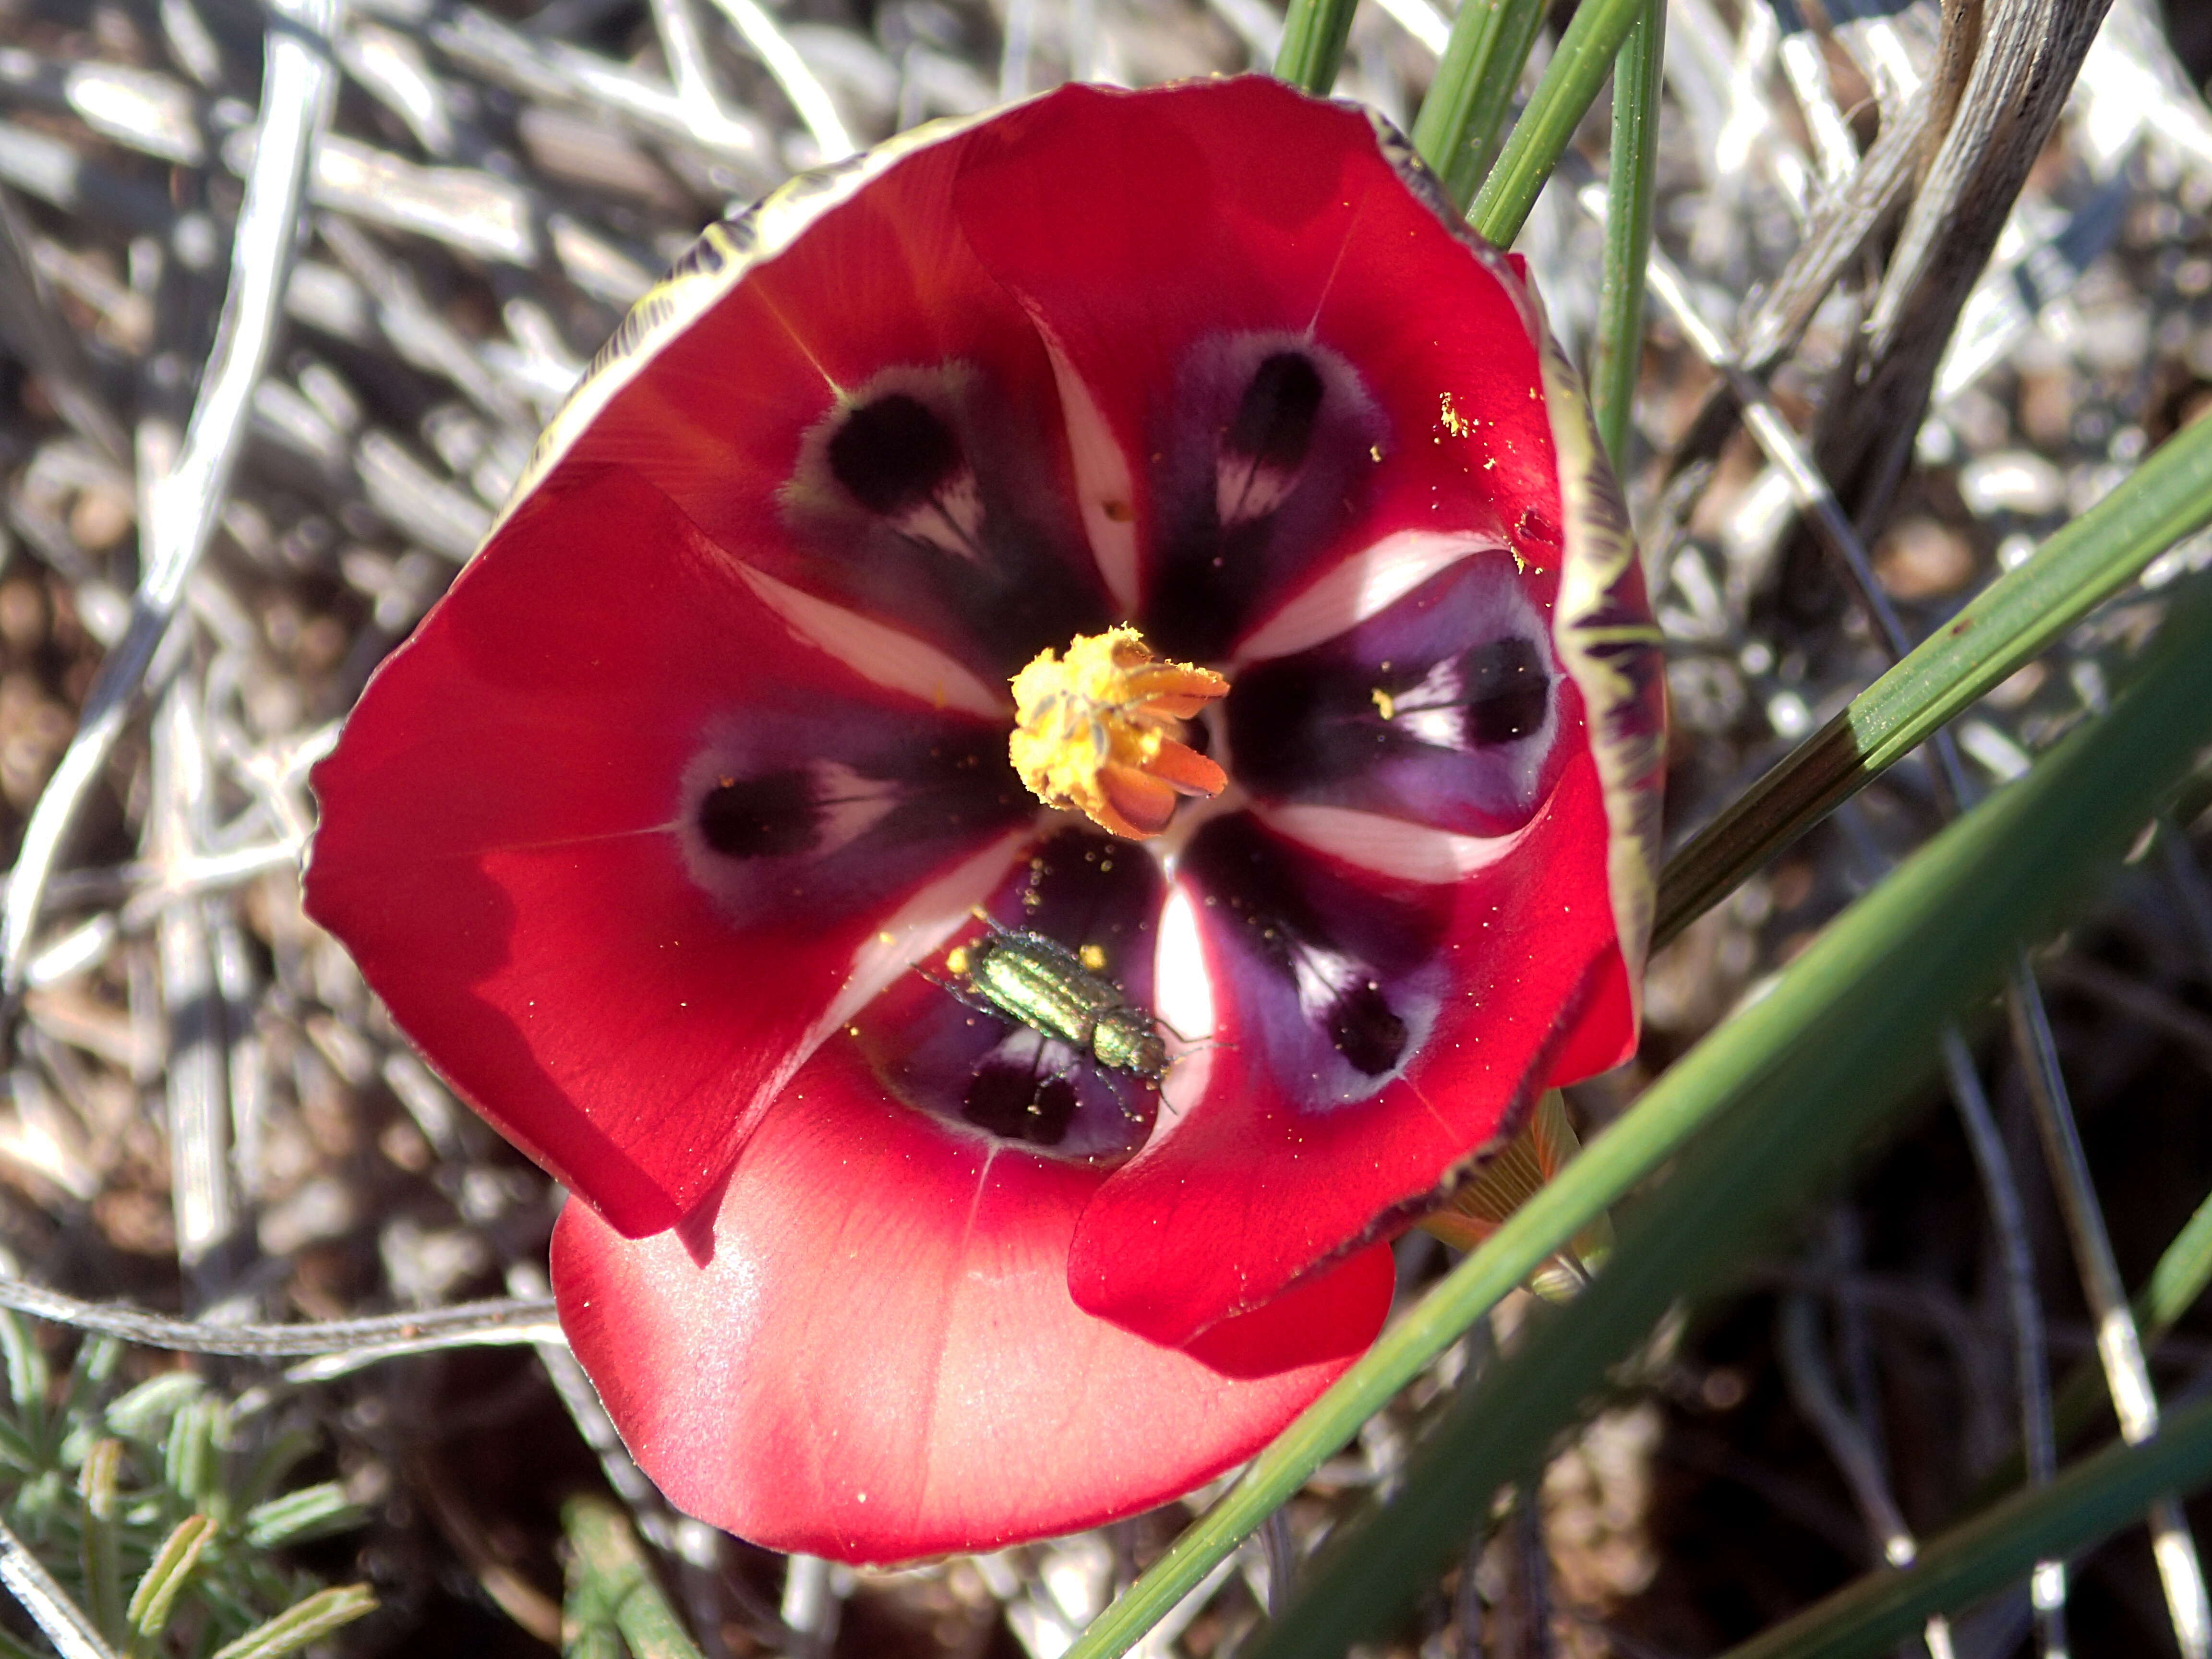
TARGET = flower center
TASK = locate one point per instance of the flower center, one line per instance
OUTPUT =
(1096, 731)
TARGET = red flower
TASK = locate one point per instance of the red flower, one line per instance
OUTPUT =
(656, 834)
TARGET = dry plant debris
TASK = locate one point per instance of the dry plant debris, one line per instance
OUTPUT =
(423, 218)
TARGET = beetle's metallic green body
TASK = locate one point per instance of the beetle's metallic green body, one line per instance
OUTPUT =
(1043, 985)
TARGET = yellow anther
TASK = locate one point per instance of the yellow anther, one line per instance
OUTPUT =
(1095, 730)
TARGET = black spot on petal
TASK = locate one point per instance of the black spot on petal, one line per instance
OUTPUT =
(894, 454)
(772, 816)
(1365, 1031)
(1013, 1103)
(1274, 422)
(1507, 690)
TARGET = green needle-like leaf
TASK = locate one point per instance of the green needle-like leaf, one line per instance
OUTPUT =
(101, 1545)
(1457, 131)
(610, 1580)
(1799, 1079)
(28, 1380)
(2006, 625)
(2089, 1501)
(172, 1569)
(143, 1413)
(1313, 44)
(310, 1512)
(293, 1629)
(1562, 98)
(1635, 164)
(192, 1460)
(1954, 908)
(15, 1448)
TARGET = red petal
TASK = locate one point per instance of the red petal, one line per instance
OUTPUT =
(1219, 209)
(1252, 1177)
(837, 292)
(505, 846)
(866, 1348)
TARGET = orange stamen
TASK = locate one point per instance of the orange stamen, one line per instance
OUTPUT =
(1095, 731)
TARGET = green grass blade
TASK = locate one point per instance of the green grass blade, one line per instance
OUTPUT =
(2088, 1503)
(2174, 1285)
(2006, 625)
(1562, 98)
(2180, 1277)
(1635, 164)
(1800, 1078)
(1579, 1194)
(1457, 130)
(2172, 1289)
(1313, 44)
(1716, 1077)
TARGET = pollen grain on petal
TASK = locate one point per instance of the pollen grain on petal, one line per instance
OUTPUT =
(1095, 731)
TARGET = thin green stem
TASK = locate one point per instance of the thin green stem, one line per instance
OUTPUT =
(2087, 1503)
(1797, 1081)
(611, 1581)
(1461, 119)
(2174, 1285)
(1313, 44)
(2005, 626)
(100, 1546)
(1629, 192)
(1546, 128)
(1911, 949)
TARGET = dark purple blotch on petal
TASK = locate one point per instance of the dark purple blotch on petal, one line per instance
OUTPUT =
(942, 1053)
(897, 457)
(1265, 448)
(1441, 708)
(792, 818)
(1332, 984)
(773, 815)
(925, 498)
(1261, 459)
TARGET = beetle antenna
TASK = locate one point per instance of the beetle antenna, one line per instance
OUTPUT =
(1192, 1044)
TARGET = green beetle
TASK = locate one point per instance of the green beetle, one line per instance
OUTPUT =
(1039, 982)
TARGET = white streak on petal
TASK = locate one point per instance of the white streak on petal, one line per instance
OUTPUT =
(1182, 997)
(849, 805)
(1244, 489)
(1323, 978)
(1103, 484)
(1350, 591)
(952, 520)
(920, 924)
(875, 653)
(1392, 847)
(1442, 687)
(1439, 728)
